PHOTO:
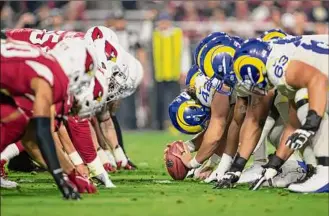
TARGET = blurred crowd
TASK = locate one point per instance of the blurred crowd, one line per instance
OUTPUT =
(136, 23)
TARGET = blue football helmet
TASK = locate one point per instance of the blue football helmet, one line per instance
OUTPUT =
(273, 34)
(203, 42)
(187, 116)
(238, 39)
(250, 66)
(216, 62)
(191, 75)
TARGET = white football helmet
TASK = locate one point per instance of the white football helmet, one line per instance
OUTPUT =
(92, 98)
(98, 32)
(134, 73)
(77, 59)
(135, 76)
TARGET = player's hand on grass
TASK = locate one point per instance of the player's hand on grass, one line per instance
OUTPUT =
(228, 180)
(68, 189)
(204, 171)
(84, 185)
(185, 155)
(271, 169)
(82, 169)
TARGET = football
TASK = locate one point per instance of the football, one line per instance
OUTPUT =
(175, 167)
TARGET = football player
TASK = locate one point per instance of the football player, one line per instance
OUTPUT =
(298, 68)
(45, 79)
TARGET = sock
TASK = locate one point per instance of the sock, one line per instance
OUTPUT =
(102, 155)
(111, 158)
(20, 146)
(96, 167)
(9, 152)
(224, 165)
(120, 157)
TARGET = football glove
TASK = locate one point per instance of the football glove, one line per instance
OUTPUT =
(68, 189)
(271, 169)
(304, 134)
(228, 180)
(82, 182)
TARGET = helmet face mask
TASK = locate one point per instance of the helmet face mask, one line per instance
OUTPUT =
(250, 66)
(254, 89)
(117, 82)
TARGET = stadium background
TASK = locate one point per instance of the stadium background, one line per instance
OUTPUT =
(138, 19)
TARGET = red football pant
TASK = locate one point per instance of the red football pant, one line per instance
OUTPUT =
(14, 130)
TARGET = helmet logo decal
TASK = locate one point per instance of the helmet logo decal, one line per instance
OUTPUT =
(96, 34)
(111, 52)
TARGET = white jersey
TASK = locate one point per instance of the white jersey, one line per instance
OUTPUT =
(204, 90)
(308, 50)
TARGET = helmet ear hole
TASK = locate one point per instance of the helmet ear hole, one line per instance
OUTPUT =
(87, 103)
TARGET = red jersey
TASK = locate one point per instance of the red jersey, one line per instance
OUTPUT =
(42, 38)
(21, 62)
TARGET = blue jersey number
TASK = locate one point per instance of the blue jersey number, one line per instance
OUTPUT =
(205, 95)
(279, 65)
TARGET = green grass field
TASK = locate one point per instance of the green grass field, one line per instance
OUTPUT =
(146, 192)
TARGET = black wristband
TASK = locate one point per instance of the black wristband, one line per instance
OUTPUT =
(47, 146)
(313, 121)
(238, 164)
(274, 162)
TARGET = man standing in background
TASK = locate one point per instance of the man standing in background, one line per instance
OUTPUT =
(171, 61)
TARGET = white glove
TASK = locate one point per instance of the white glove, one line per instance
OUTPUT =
(218, 173)
(299, 138)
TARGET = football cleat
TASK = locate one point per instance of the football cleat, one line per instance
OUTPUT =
(5, 183)
(252, 173)
(133, 166)
(104, 180)
(190, 173)
(318, 183)
(291, 172)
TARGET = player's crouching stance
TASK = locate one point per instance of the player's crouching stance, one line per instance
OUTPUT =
(214, 60)
(45, 79)
(294, 66)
